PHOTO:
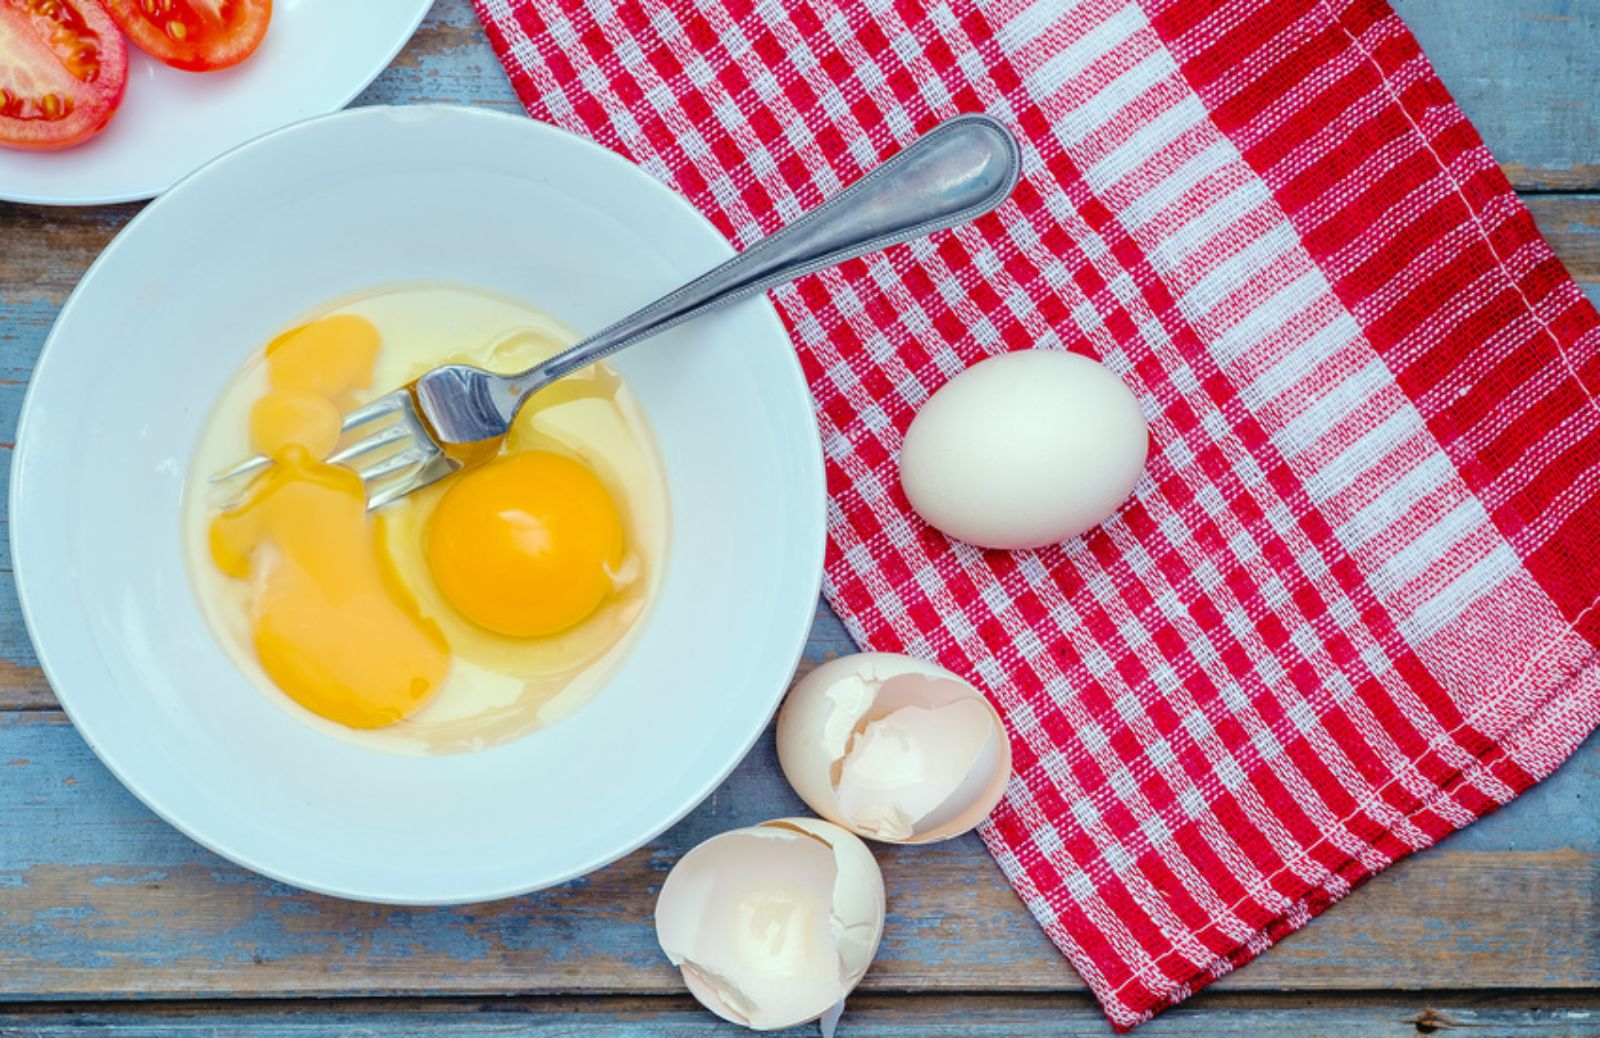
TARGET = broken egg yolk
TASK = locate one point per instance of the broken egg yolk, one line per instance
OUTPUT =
(326, 357)
(311, 369)
(331, 627)
(527, 545)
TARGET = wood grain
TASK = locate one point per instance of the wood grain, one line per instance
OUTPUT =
(1571, 224)
(100, 899)
(868, 1016)
(1524, 73)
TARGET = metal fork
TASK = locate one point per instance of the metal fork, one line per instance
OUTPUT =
(958, 171)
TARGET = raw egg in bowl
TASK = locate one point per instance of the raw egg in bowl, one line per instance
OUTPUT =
(485, 606)
(678, 498)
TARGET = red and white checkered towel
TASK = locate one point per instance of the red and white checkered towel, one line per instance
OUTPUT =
(1353, 605)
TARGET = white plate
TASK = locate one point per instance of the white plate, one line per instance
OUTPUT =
(193, 285)
(317, 56)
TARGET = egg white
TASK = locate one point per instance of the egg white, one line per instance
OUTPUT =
(498, 688)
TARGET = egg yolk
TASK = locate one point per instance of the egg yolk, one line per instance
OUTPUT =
(331, 627)
(285, 417)
(310, 369)
(326, 357)
(527, 545)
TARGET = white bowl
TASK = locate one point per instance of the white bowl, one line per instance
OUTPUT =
(197, 282)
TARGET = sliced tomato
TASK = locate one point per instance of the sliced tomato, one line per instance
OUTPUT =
(194, 35)
(63, 66)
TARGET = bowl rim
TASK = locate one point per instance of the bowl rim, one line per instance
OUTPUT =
(811, 460)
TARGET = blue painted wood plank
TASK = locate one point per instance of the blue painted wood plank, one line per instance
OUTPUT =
(23, 325)
(116, 902)
(99, 898)
(448, 60)
(1524, 71)
(871, 1016)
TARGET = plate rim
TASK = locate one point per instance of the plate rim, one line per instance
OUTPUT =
(814, 558)
(145, 194)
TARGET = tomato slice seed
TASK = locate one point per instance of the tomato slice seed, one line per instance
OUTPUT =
(62, 72)
(194, 35)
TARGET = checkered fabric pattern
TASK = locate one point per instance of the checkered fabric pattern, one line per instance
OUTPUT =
(1352, 606)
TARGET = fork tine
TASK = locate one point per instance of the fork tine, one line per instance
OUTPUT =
(429, 472)
(383, 405)
(393, 433)
(414, 449)
(393, 463)
(245, 467)
(388, 403)
(393, 492)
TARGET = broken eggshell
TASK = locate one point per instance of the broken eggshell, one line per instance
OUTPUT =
(893, 748)
(773, 925)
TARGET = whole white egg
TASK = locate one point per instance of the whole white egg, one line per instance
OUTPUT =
(1024, 449)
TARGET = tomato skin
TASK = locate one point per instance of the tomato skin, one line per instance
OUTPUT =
(63, 69)
(194, 35)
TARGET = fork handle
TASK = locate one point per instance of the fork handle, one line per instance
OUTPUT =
(958, 171)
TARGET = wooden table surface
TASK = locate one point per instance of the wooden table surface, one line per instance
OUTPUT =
(113, 923)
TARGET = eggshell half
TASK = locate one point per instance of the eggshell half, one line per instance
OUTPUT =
(1024, 449)
(893, 748)
(773, 925)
